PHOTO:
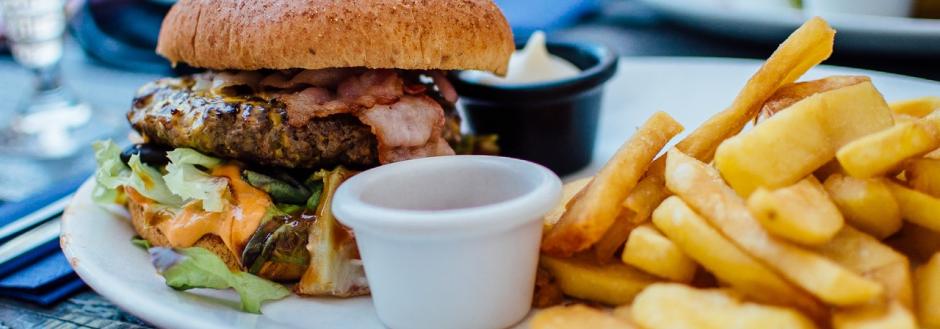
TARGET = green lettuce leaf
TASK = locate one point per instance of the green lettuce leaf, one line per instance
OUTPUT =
(140, 242)
(196, 267)
(189, 182)
(113, 173)
(148, 182)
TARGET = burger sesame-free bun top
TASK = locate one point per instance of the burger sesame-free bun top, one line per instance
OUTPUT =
(313, 34)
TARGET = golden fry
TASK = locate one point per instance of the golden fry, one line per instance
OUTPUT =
(916, 242)
(792, 144)
(804, 48)
(924, 175)
(727, 262)
(882, 152)
(865, 255)
(892, 315)
(594, 211)
(611, 284)
(605, 248)
(917, 207)
(801, 213)
(568, 192)
(935, 154)
(648, 193)
(676, 306)
(650, 251)
(576, 317)
(624, 312)
(795, 92)
(917, 107)
(928, 293)
(705, 192)
(866, 203)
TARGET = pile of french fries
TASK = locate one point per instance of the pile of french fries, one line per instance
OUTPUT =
(824, 214)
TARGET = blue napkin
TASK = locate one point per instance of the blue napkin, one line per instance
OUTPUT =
(12, 211)
(42, 275)
(526, 16)
(27, 259)
(46, 280)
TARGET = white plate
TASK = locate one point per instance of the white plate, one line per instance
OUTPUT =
(97, 241)
(859, 33)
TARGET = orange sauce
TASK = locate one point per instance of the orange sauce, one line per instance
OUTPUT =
(234, 224)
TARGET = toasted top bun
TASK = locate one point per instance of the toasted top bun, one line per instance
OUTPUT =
(314, 34)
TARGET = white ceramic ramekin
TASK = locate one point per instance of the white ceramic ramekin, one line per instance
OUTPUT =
(449, 242)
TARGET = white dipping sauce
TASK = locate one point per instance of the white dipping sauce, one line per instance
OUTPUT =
(531, 64)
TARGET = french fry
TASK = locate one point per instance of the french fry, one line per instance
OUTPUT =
(790, 94)
(593, 212)
(916, 242)
(927, 278)
(648, 193)
(547, 292)
(903, 118)
(577, 316)
(917, 207)
(675, 306)
(624, 312)
(882, 152)
(801, 213)
(806, 47)
(605, 248)
(865, 203)
(727, 262)
(703, 189)
(924, 175)
(935, 154)
(792, 144)
(568, 192)
(877, 316)
(650, 251)
(830, 168)
(865, 255)
(611, 284)
(646, 197)
(917, 107)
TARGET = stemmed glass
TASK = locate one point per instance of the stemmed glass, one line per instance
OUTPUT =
(51, 122)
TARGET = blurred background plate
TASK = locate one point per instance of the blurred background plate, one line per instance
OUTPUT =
(856, 33)
(97, 242)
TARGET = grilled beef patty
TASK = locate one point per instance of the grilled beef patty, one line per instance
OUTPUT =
(249, 129)
(253, 128)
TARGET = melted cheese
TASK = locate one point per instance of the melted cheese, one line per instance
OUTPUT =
(235, 224)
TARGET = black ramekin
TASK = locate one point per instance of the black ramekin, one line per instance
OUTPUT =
(550, 123)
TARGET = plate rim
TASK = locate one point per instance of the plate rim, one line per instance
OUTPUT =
(150, 310)
(790, 18)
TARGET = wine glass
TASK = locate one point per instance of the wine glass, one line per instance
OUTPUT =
(51, 122)
(49, 127)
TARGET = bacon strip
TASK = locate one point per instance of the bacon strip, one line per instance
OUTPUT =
(406, 122)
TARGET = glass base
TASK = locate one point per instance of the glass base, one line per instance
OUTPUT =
(20, 178)
(52, 125)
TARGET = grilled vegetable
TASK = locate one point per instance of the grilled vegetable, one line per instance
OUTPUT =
(278, 247)
(282, 189)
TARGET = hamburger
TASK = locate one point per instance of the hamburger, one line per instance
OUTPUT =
(242, 159)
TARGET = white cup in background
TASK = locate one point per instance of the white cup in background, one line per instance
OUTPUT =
(824, 8)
